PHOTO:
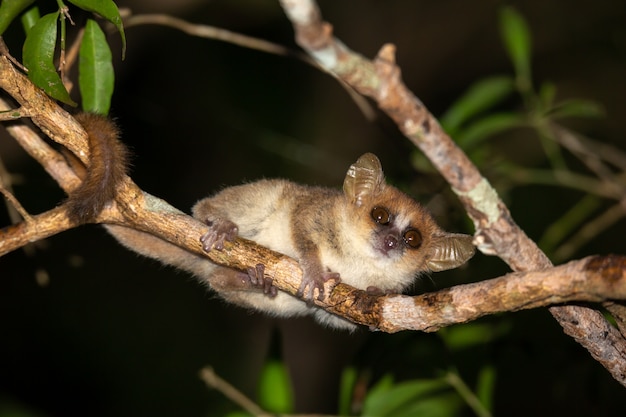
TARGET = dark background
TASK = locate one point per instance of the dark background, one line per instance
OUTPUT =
(111, 334)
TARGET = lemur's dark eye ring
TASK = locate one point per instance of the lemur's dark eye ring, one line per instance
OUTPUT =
(412, 238)
(381, 215)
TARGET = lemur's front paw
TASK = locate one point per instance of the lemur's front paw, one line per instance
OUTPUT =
(312, 281)
(259, 280)
(219, 231)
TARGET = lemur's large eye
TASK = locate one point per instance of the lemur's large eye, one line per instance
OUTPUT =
(412, 238)
(381, 215)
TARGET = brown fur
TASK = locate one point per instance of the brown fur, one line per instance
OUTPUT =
(108, 161)
(333, 235)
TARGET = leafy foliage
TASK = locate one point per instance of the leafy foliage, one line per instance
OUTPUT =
(275, 388)
(95, 70)
(38, 57)
(517, 40)
(44, 50)
(491, 107)
(107, 9)
(410, 398)
(9, 10)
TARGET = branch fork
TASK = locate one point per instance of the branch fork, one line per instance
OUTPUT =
(594, 279)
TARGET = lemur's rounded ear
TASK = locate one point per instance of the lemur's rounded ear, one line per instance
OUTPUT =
(449, 251)
(364, 179)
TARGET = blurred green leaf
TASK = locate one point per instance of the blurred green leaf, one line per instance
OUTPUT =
(481, 96)
(547, 94)
(377, 394)
(9, 10)
(421, 163)
(577, 108)
(469, 335)
(346, 389)
(443, 405)
(516, 37)
(38, 56)
(487, 127)
(95, 70)
(394, 400)
(108, 10)
(486, 385)
(275, 388)
(384, 384)
(571, 220)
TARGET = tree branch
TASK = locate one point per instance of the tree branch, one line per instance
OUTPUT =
(592, 279)
(496, 232)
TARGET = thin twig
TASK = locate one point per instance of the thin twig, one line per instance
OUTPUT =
(15, 204)
(466, 393)
(8, 114)
(588, 148)
(212, 32)
(4, 50)
(213, 381)
(569, 179)
(224, 35)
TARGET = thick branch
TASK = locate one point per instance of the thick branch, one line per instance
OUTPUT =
(496, 232)
(137, 210)
(35, 228)
(591, 279)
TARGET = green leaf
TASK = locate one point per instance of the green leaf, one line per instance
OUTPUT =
(442, 405)
(108, 10)
(395, 399)
(486, 386)
(346, 389)
(382, 386)
(547, 92)
(479, 97)
(275, 389)
(421, 163)
(516, 37)
(469, 335)
(95, 70)
(38, 56)
(9, 10)
(571, 220)
(577, 108)
(29, 18)
(487, 127)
